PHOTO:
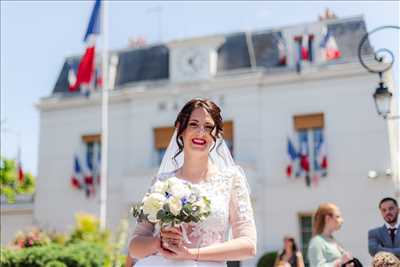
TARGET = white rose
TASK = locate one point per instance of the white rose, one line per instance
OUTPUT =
(175, 205)
(179, 189)
(196, 194)
(152, 203)
(192, 198)
(202, 205)
(160, 187)
(152, 218)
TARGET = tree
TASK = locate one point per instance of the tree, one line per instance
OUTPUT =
(10, 186)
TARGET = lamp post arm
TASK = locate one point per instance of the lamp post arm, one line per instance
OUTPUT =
(379, 54)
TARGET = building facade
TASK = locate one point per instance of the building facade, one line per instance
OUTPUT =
(271, 85)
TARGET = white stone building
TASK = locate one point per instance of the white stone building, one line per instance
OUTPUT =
(253, 77)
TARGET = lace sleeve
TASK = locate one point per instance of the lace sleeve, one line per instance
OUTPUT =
(240, 210)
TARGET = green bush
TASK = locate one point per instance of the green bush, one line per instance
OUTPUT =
(267, 260)
(7, 258)
(75, 255)
(84, 254)
(86, 246)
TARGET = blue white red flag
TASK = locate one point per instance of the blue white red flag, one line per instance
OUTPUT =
(86, 68)
(292, 155)
(329, 47)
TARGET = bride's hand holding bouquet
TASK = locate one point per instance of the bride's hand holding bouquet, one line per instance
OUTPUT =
(169, 205)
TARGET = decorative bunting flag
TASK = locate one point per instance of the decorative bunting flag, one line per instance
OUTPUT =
(86, 176)
(76, 178)
(321, 160)
(293, 155)
(304, 156)
(281, 50)
(312, 165)
(305, 51)
(329, 46)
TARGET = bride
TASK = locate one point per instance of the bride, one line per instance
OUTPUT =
(197, 154)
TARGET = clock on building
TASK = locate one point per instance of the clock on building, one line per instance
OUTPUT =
(192, 61)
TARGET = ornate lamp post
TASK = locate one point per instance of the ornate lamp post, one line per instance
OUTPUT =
(383, 96)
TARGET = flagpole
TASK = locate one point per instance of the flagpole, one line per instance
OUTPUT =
(104, 116)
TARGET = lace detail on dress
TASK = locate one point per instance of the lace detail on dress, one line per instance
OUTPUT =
(214, 228)
(241, 192)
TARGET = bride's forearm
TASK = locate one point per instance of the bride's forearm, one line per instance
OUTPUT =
(232, 250)
(143, 246)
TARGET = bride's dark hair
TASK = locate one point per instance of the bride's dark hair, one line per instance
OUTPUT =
(182, 120)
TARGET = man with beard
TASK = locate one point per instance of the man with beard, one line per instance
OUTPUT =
(387, 237)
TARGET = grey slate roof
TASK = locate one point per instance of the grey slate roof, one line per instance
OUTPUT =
(152, 63)
(143, 64)
(234, 53)
(266, 51)
(348, 35)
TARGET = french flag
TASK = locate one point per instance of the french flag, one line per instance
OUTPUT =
(293, 155)
(304, 48)
(88, 177)
(329, 47)
(304, 159)
(86, 67)
(21, 175)
(322, 156)
(76, 179)
(92, 176)
(282, 51)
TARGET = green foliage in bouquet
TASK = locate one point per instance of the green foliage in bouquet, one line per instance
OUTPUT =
(10, 186)
(188, 213)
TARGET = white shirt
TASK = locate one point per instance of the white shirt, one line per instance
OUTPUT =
(397, 225)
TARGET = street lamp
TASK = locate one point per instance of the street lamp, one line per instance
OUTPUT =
(383, 98)
(382, 95)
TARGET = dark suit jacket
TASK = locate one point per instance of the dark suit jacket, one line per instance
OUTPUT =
(379, 240)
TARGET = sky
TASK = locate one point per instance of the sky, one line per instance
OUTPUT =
(36, 36)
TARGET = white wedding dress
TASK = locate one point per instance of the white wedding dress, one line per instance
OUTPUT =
(230, 209)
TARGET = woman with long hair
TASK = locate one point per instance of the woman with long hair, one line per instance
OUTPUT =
(290, 254)
(197, 154)
(324, 250)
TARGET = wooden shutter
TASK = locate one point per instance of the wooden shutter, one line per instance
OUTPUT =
(228, 130)
(308, 121)
(91, 138)
(162, 136)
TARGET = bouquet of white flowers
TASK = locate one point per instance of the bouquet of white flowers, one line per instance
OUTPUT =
(173, 202)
